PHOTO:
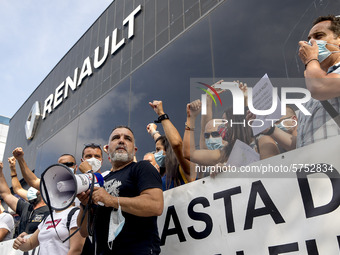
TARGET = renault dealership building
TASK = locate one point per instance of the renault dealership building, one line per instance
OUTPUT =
(143, 50)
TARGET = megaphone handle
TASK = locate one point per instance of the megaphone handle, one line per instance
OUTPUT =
(90, 229)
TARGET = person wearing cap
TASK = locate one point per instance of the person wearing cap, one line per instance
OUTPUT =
(32, 213)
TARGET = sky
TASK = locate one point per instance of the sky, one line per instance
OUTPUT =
(34, 36)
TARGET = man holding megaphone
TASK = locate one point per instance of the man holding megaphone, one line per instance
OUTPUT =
(132, 197)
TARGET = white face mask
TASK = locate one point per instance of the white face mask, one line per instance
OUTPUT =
(95, 163)
(117, 222)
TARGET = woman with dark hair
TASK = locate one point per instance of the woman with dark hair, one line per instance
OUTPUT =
(169, 152)
(220, 137)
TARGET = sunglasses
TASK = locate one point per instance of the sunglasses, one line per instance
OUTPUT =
(214, 134)
(69, 164)
(92, 145)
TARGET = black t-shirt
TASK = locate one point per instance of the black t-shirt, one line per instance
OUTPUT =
(139, 234)
(30, 218)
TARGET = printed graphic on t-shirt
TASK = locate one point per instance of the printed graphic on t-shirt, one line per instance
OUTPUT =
(56, 222)
(111, 187)
(38, 218)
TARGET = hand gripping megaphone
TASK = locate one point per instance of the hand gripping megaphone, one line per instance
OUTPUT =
(59, 186)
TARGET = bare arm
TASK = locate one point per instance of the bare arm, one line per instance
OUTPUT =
(5, 192)
(204, 120)
(83, 197)
(285, 140)
(76, 243)
(201, 157)
(17, 188)
(3, 233)
(175, 141)
(267, 147)
(322, 86)
(28, 175)
(209, 116)
(26, 244)
(152, 130)
(148, 203)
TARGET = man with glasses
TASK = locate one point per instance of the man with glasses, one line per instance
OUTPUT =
(31, 179)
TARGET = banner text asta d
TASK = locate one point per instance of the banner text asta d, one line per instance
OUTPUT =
(258, 194)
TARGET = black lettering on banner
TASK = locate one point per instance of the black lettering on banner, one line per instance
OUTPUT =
(310, 209)
(284, 248)
(171, 213)
(199, 216)
(312, 249)
(226, 195)
(270, 208)
(338, 238)
(240, 253)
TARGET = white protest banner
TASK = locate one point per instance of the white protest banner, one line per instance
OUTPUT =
(289, 204)
(6, 248)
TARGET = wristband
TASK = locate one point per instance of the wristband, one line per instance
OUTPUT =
(154, 132)
(161, 118)
(310, 61)
(188, 128)
(14, 175)
(270, 131)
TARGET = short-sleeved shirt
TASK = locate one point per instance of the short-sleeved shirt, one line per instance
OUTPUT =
(49, 241)
(7, 222)
(139, 234)
(319, 125)
(30, 218)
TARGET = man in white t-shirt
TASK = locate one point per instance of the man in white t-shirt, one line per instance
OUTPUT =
(6, 225)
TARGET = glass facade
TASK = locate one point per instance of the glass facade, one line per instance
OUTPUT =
(174, 41)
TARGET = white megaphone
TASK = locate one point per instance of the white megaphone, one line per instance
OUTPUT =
(59, 186)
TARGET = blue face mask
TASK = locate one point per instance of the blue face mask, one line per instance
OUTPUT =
(214, 143)
(282, 127)
(323, 51)
(160, 158)
(117, 221)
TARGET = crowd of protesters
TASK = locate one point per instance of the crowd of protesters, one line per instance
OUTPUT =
(124, 211)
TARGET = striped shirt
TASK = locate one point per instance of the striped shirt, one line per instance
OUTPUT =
(320, 125)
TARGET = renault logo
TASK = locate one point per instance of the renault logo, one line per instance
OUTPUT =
(32, 121)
